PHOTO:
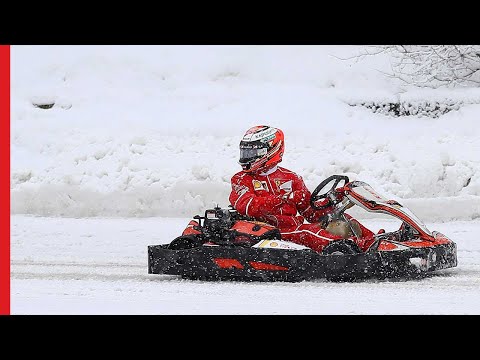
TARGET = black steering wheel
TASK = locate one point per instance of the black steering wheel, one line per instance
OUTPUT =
(330, 194)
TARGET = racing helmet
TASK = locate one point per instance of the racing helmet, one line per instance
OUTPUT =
(261, 148)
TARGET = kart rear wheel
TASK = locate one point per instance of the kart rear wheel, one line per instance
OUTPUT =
(185, 242)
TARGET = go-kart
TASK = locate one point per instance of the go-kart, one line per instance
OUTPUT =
(224, 245)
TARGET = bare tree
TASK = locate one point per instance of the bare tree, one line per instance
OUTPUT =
(432, 65)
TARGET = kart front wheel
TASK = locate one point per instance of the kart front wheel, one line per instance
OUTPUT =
(341, 247)
(338, 249)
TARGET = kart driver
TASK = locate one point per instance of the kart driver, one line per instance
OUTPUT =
(272, 194)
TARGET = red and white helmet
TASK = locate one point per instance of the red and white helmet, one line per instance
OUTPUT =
(261, 148)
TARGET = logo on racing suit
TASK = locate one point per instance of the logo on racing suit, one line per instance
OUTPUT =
(240, 189)
(260, 185)
(286, 186)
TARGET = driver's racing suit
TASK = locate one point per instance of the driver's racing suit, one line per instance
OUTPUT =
(279, 197)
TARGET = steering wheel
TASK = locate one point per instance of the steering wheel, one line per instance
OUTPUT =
(330, 194)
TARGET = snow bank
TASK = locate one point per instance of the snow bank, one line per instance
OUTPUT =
(421, 103)
(154, 130)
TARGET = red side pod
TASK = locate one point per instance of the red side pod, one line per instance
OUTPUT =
(225, 263)
(189, 230)
(264, 266)
(252, 227)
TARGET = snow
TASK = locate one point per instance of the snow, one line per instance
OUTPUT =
(98, 266)
(140, 138)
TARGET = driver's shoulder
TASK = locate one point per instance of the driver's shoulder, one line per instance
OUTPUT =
(288, 172)
(240, 176)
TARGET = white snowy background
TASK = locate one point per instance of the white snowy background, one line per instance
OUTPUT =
(141, 138)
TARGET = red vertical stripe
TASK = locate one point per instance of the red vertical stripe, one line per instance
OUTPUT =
(5, 179)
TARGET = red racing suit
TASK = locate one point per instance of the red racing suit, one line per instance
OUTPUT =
(279, 197)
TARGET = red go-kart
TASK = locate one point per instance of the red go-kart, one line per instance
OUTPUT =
(224, 245)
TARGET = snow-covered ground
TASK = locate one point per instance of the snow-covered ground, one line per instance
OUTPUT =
(99, 266)
(142, 137)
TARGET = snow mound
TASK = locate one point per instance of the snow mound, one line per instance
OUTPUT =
(154, 130)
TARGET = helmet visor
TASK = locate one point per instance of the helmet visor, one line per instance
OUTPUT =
(251, 152)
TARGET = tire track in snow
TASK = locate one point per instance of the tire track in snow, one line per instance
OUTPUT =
(110, 272)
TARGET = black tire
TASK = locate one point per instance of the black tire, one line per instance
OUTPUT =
(185, 242)
(340, 248)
